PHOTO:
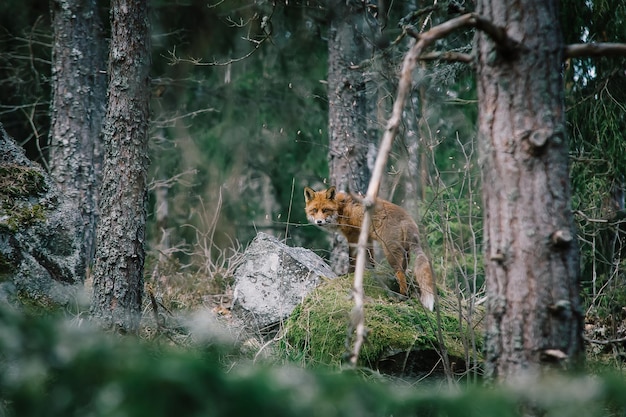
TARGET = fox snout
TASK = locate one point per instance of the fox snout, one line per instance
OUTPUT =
(323, 221)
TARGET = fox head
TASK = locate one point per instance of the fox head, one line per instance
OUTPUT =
(322, 208)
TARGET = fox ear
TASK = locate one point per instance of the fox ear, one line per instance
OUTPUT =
(309, 193)
(331, 192)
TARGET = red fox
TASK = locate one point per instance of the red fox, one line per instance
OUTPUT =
(391, 226)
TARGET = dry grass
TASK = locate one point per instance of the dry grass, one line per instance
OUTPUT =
(205, 283)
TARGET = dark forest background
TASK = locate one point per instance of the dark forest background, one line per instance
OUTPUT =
(239, 125)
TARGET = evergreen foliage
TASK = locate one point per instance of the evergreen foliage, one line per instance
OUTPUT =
(260, 132)
(596, 114)
(234, 143)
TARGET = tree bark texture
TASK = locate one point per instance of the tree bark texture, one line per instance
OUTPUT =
(531, 254)
(347, 106)
(120, 253)
(77, 110)
(347, 110)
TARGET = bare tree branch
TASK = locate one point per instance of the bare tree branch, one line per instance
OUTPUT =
(264, 35)
(497, 33)
(256, 44)
(505, 43)
(578, 50)
(422, 41)
(447, 56)
(404, 86)
(605, 342)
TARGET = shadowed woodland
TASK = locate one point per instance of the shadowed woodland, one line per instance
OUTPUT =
(250, 102)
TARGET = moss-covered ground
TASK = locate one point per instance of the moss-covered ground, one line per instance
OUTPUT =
(316, 331)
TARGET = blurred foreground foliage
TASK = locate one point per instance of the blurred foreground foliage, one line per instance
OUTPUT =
(54, 367)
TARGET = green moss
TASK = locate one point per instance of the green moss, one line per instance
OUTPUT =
(316, 331)
(18, 184)
(38, 306)
(24, 216)
(18, 181)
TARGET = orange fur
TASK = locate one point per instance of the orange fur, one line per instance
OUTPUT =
(391, 226)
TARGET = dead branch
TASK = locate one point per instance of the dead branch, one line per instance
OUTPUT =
(447, 56)
(174, 59)
(578, 50)
(421, 42)
(266, 35)
(404, 86)
(503, 41)
(605, 342)
(497, 33)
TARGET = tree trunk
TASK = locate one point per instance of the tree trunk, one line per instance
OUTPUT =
(347, 109)
(531, 254)
(78, 100)
(120, 253)
(347, 105)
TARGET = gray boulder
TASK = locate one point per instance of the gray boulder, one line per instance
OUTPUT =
(272, 280)
(39, 252)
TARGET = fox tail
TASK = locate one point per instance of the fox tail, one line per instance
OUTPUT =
(424, 277)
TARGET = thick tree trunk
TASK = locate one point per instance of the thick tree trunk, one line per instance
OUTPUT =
(347, 109)
(531, 254)
(120, 253)
(348, 141)
(78, 106)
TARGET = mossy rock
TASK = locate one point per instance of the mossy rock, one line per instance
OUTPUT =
(20, 187)
(402, 336)
(40, 243)
(19, 181)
